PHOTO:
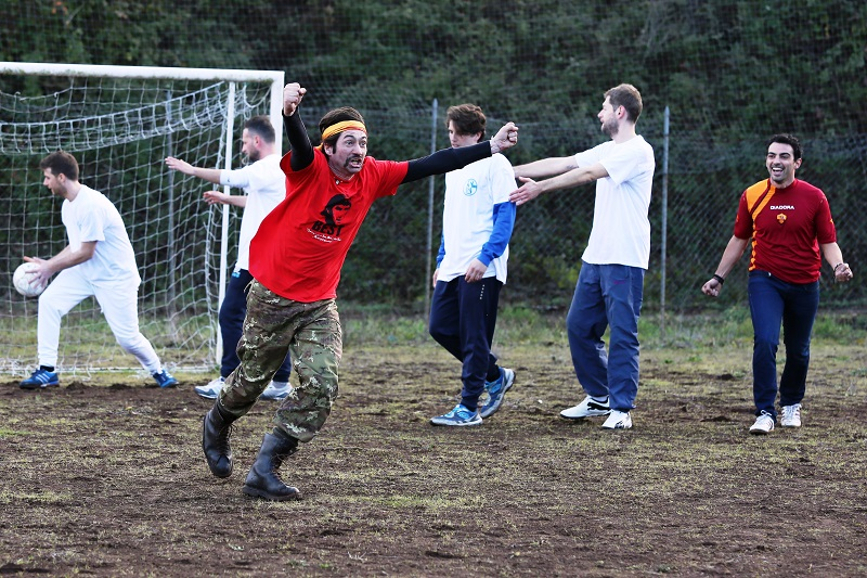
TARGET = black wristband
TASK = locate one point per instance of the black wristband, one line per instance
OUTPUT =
(719, 279)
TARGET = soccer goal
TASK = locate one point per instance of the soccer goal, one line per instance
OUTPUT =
(121, 123)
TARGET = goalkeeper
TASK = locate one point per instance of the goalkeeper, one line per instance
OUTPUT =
(99, 261)
(296, 258)
(264, 186)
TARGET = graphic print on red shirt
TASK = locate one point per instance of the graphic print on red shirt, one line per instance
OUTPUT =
(301, 245)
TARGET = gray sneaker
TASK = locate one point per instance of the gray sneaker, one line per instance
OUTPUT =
(212, 390)
(276, 390)
(791, 416)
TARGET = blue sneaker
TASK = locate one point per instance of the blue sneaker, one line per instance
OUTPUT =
(497, 391)
(459, 416)
(165, 379)
(40, 379)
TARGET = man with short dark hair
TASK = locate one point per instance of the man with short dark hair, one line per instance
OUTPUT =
(611, 282)
(789, 223)
(98, 261)
(478, 220)
(264, 187)
(296, 258)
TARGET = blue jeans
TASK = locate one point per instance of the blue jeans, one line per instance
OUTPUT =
(773, 301)
(462, 319)
(232, 313)
(607, 296)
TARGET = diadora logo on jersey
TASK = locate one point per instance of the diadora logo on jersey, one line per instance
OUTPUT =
(782, 207)
(471, 188)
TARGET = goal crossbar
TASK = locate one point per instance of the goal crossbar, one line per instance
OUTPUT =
(275, 77)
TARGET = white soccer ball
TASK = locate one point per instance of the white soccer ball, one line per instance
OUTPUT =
(27, 284)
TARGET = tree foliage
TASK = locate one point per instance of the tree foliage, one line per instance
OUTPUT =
(731, 72)
(722, 65)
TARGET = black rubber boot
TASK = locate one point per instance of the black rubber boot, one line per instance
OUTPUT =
(262, 481)
(216, 429)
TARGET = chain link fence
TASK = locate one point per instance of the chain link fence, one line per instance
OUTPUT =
(390, 261)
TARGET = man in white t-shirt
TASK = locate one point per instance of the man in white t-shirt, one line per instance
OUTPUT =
(264, 185)
(471, 269)
(98, 261)
(611, 282)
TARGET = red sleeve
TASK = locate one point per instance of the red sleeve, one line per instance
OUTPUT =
(826, 232)
(744, 221)
(391, 175)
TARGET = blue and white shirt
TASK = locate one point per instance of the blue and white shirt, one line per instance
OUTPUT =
(477, 218)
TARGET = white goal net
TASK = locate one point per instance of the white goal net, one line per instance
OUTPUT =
(121, 123)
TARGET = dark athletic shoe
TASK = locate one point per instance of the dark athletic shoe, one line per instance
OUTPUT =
(497, 392)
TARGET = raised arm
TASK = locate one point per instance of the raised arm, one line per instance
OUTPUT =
(296, 132)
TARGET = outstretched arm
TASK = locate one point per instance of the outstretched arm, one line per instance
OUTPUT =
(544, 168)
(218, 198)
(211, 175)
(531, 189)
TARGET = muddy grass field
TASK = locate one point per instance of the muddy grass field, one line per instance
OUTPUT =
(106, 477)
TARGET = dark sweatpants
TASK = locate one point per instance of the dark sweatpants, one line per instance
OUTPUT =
(462, 319)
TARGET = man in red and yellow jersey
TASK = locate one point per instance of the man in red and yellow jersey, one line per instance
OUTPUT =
(295, 259)
(789, 224)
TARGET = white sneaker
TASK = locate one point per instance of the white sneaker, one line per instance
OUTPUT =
(618, 420)
(276, 390)
(791, 416)
(212, 390)
(764, 424)
(587, 408)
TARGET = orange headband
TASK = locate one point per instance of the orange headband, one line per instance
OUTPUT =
(341, 127)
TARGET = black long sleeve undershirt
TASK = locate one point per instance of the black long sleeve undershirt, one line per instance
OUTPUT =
(446, 160)
(438, 163)
(299, 140)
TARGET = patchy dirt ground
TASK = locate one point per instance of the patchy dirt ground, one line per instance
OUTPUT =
(109, 480)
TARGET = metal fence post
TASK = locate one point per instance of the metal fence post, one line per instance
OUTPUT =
(665, 134)
(430, 209)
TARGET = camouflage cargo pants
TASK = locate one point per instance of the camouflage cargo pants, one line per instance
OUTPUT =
(311, 332)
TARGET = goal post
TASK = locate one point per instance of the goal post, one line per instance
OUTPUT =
(121, 122)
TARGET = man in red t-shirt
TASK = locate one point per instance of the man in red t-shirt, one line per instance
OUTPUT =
(790, 226)
(295, 260)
